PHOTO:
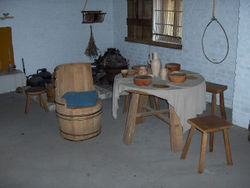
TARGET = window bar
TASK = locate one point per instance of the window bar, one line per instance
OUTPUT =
(175, 32)
(168, 24)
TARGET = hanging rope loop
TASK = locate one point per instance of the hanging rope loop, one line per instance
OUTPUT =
(214, 19)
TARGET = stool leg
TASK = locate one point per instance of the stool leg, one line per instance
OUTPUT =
(203, 152)
(211, 142)
(227, 146)
(44, 102)
(125, 108)
(27, 106)
(222, 107)
(39, 100)
(213, 103)
(189, 138)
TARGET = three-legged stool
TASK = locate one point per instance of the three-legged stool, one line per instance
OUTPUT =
(35, 91)
(208, 124)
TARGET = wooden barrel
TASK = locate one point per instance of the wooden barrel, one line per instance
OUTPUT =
(76, 123)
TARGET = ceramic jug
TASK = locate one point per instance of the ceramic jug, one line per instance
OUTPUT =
(155, 65)
(163, 73)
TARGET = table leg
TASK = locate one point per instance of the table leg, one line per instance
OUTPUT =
(143, 100)
(131, 119)
(125, 108)
(176, 134)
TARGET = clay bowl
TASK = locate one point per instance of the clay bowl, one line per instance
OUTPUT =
(177, 76)
(143, 80)
(131, 72)
(141, 69)
(173, 67)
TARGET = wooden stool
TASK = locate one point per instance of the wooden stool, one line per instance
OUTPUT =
(38, 91)
(157, 106)
(214, 89)
(208, 124)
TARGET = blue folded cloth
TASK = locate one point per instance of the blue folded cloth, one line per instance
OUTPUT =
(77, 99)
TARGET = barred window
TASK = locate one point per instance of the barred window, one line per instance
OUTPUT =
(155, 22)
(167, 25)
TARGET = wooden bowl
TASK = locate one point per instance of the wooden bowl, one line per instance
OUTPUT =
(131, 72)
(141, 69)
(177, 76)
(173, 67)
(143, 80)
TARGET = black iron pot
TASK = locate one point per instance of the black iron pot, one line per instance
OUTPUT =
(44, 74)
(35, 80)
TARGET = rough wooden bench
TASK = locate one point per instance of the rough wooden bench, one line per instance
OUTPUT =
(208, 124)
(35, 91)
(215, 89)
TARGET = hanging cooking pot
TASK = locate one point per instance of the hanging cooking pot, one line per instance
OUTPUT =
(35, 80)
(44, 74)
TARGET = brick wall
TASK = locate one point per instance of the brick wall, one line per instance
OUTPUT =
(196, 15)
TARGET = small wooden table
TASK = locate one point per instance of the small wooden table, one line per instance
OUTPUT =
(138, 110)
(185, 100)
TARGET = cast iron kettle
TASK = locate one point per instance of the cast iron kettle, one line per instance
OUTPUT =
(35, 80)
(44, 74)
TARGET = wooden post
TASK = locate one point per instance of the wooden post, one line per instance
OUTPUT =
(176, 134)
(227, 146)
(189, 138)
(142, 101)
(203, 152)
(131, 119)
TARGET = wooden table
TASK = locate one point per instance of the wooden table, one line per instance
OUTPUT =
(179, 110)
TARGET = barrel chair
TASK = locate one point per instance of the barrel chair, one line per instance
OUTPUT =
(77, 122)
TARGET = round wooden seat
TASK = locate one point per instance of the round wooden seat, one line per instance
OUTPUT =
(36, 91)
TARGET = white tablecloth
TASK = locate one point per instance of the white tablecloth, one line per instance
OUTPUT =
(188, 98)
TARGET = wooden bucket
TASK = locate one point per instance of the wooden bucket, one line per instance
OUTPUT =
(76, 123)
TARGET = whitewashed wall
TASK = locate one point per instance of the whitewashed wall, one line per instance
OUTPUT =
(196, 15)
(241, 102)
(49, 32)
